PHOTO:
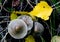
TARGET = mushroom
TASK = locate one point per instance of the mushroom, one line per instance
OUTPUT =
(38, 27)
(55, 38)
(17, 29)
(28, 20)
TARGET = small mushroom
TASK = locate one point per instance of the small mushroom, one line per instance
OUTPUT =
(17, 29)
(38, 27)
(28, 20)
(55, 38)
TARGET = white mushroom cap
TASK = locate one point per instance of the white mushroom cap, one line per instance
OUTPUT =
(17, 29)
(38, 27)
(27, 20)
(55, 38)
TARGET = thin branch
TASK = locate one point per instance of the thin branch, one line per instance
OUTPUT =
(4, 21)
(55, 4)
(56, 7)
(3, 4)
(25, 7)
(4, 16)
(32, 2)
(4, 37)
(21, 6)
(29, 3)
(3, 8)
(36, 1)
(3, 31)
(5, 40)
(42, 39)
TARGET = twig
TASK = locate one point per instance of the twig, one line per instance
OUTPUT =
(4, 16)
(56, 7)
(4, 21)
(4, 37)
(36, 1)
(33, 2)
(42, 39)
(25, 7)
(55, 4)
(3, 8)
(5, 40)
(21, 6)
(29, 3)
(3, 30)
(3, 4)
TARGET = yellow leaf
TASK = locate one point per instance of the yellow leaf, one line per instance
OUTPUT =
(30, 39)
(21, 12)
(13, 16)
(42, 10)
